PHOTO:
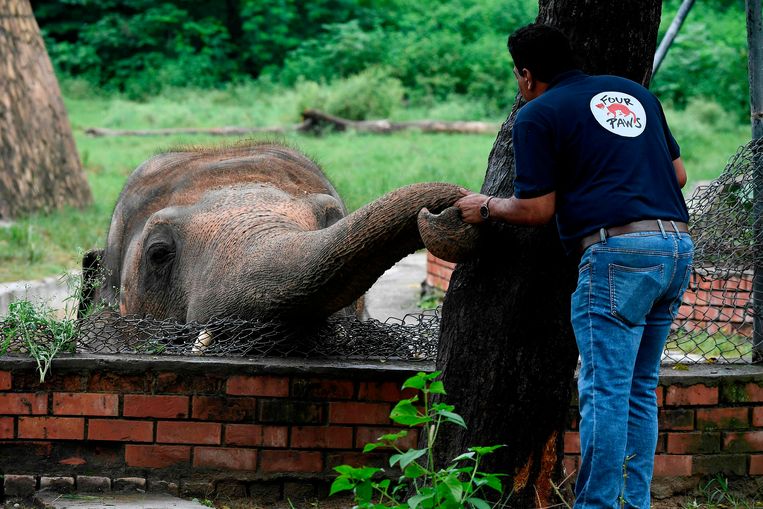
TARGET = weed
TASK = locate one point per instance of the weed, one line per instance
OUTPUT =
(39, 332)
(431, 298)
(461, 484)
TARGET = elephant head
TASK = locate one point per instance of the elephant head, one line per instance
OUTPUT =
(252, 231)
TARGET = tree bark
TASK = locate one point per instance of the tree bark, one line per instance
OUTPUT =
(40, 168)
(507, 349)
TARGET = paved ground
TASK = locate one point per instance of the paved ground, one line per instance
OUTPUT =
(397, 292)
(48, 500)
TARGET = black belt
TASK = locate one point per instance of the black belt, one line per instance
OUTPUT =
(649, 225)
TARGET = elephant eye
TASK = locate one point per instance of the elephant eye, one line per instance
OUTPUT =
(160, 254)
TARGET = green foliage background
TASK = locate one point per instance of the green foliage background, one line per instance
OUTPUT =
(144, 64)
(429, 51)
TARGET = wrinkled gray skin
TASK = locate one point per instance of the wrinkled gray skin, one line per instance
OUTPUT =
(256, 232)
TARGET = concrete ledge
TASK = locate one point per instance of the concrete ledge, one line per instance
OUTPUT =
(217, 365)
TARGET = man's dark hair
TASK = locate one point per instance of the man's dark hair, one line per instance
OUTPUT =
(542, 49)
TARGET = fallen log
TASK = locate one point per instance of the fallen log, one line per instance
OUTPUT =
(317, 120)
(314, 121)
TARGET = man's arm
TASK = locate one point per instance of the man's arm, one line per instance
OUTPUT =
(678, 164)
(527, 211)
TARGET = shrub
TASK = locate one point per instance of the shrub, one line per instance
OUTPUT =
(369, 94)
(461, 484)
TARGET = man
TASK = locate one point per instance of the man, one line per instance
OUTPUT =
(596, 152)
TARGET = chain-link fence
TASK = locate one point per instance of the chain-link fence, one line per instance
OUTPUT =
(412, 338)
(714, 324)
(715, 320)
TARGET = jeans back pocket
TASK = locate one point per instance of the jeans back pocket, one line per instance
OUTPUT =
(633, 291)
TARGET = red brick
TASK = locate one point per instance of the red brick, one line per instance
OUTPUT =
(289, 411)
(680, 419)
(723, 418)
(571, 443)
(72, 403)
(321, 388)
(364, 436)
(306, 437)
(120, 430)
(384, 391)
(156, 456)
(198, 384)
(672, 465)
(727, 464)
(256, 435)
(662, 439)
(754, 392)
(749, 441)
(570, 464)
(756, 464)
(160, 407)
(357, 459)
(291, 461)
(24, 404)
(6, 427)
(659, 393)
(692, 395)
(73, 460)
(689, 297)
(113, 382)
(757, 416)
(694, 443)
(210, 408)
(170, 432)
(225, 457)
(29, 381)
(5, 380)
(273, 386)
(52, 428)
(359, 413)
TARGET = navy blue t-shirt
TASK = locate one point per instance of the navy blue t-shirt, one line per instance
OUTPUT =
(602, 143)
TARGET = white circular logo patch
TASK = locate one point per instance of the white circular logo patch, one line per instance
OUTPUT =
(619, 113)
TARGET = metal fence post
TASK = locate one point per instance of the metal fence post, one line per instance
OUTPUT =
(755, 65)
(671, 33)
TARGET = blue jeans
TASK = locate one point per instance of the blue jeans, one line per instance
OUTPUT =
(629, 289)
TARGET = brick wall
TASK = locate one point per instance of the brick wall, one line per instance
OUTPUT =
(181, 421)
(711, 422)
(213, 424)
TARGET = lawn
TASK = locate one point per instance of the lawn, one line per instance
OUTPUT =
(361, 166)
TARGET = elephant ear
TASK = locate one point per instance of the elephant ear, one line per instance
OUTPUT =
(447, 236)
(92, 279)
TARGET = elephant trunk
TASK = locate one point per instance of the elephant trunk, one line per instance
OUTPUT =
(334, 266)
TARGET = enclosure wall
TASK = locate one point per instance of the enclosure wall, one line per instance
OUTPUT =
(206, 426)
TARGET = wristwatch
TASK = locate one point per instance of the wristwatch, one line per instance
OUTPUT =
(485, 208)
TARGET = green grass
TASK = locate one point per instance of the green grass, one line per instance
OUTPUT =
(718, 346)
(362, 167)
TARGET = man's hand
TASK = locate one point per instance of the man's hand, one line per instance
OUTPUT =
(528, 211)
(470, 205)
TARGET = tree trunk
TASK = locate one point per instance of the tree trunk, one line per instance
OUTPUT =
(40, 166)
(507, 348)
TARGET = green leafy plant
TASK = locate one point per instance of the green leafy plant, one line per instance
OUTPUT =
(431, 298)
(38, 331)
(460, 484)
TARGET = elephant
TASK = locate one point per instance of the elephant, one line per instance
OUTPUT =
(253, 231)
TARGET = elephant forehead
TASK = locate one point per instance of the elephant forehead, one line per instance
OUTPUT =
(226, 211)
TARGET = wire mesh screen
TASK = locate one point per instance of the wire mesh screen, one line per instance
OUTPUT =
(715, 320)
(413, 337)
